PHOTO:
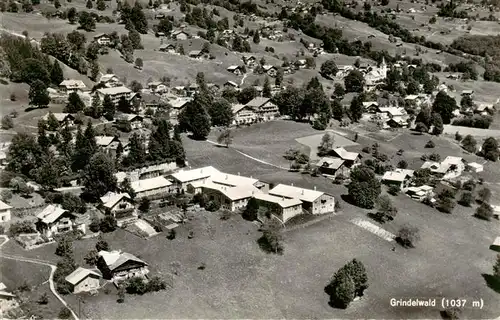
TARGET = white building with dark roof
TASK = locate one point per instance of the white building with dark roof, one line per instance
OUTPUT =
(72, 85)
(117, 202)
(399, 177)
(156, 187)
(283, 208)
(243, 114)
(53, 219)
(266, 110)
(115, 93)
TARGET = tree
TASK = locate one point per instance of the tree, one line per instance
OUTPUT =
(247, 94)
(438, 124)
(226, 137)
(24, 154)
(138, 63)
(102, 245)
(251, 210)
(64, 312)
(337, 110)
(385, 209)
(266, 91)
(408, 236)
(402, 164)
(444, 105)
(38, 94)
(338, 90)
(195, 118)
(75, 104)
(137, 153)
(64, 247)
(71, 15)
(484, 211)
(144, 205)
(108, 108)
(484, 195)
(326, 145)
(221, 113)
(469, 143)
(329, 69)
(94, 70)
(357, 271)
(354, 81)
(421, 127)
(356, 108)
(34, 70)
(7, 122)
(98, 176)
(446, 204)
(89, 4)
(466, 199)
(108, 224)
(279, 77)
(85, 147)
(342, 289)
(364, 187)
(272, 239)
(91, 257)
(256, 37)
(86, 21)
(101, 5)
(490, 149)
(56, 74)
(496, 267)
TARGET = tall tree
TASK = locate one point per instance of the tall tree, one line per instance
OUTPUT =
(86, 21)
(56, 74)
(98, 176)
(266, 91)
(38, 94)
(364, 188)
(108, 108)
(24, 154)
(354, 81)
(195, 118)
(256, 37)
(221, 113)
(75, 104)
(444, 105)
(85, 147)
(329, 69)
(490, 149)
(137, 153)
(356, 108)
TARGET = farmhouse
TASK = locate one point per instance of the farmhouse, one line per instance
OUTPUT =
(249, 60)
(55, 220)
(183, 178)
(370, 106)
(117, 265)
(243, 114)
(157, 87)
(177, 106)
(170, 48)
(399, 177)
(236, 70)
(450, 167)
(110, 80)
(115, 93)
(195, 54)
(84, 280)
(179, 35)
(117, 202)
(102, 39)
(282, 208)
(350, 158)
(152, 188)
(72, 85)
(229, 197)
(4, 212)
(64, 119)
(315, 202)
(108, 144)
(230, 84)
(134, 120)
(271, 71)
(332, 167)
(266, 110)
(468, 93)
(8, 300)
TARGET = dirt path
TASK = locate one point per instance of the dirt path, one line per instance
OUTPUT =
(40, 262)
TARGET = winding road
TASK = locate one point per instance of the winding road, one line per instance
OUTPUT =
(40, 262)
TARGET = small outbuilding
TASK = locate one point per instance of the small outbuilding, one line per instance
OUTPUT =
(84, 280)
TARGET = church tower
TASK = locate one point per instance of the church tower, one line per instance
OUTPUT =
(383, 68)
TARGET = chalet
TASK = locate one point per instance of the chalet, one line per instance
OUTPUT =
(468, 93)
(344, 71)
(314, 202)
(160, 34)
(8, 300)
(350, 158)
(183, 178)
(110, 80)
(64, 119)
(243, 114)
(179, 35)
(420, 193)
(266, 110)
(249, 61)
(195, 54)
(230, 84)
(72, 85)
(170, 48)
(399, 177)
(116, 202)
(270, 70)
(370, 106)
(397, 122)
(300, 64)
(192, 89)
(449, 167)
(135, 121)
(236, 70)
(84, 280)
(55, 220)
(155, 188)
(115, 93)
(108, 144)
(117, 265)
(102, 39)
(4, 212)
(332, 167)
(157, 87)
(282, 208)
(177, 106)
(453, 76)
(230, 198)
(213, 88)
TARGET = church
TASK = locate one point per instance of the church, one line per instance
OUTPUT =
(375, 75)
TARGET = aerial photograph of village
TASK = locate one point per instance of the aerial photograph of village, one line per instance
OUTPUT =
(249, 159)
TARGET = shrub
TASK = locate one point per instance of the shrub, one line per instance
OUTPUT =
(435, 157)
(466, 199)
(402, 164)
(452, 313)
(108, 224)
(171, 234)
(408, 236)
(212, 206)
(144, 205)
(64, 313)
(430, 144)
(136, 285)
(44, 298)
(394, 190)
(458, 136)
(366, 150)
(469, 185)
(484, 195)
(484, 211)
(20, 227)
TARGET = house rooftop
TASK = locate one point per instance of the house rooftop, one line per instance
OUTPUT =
(114, 259)
(233, 193)
(452, 160)
(194, 174)
(346, 155)
(114, 90)
(110, 199)
(232, 83)
(397, 175)
(72, 83)
(281, 201)
(150, 184)
(51, 213)
(104, 141)
(4, 206)
(232, 179)
(332, 163)
(179, 103)
(287, 191)
(79, 274)
(237, 107)
(58, 115)
(257, 102)
(107, 77)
